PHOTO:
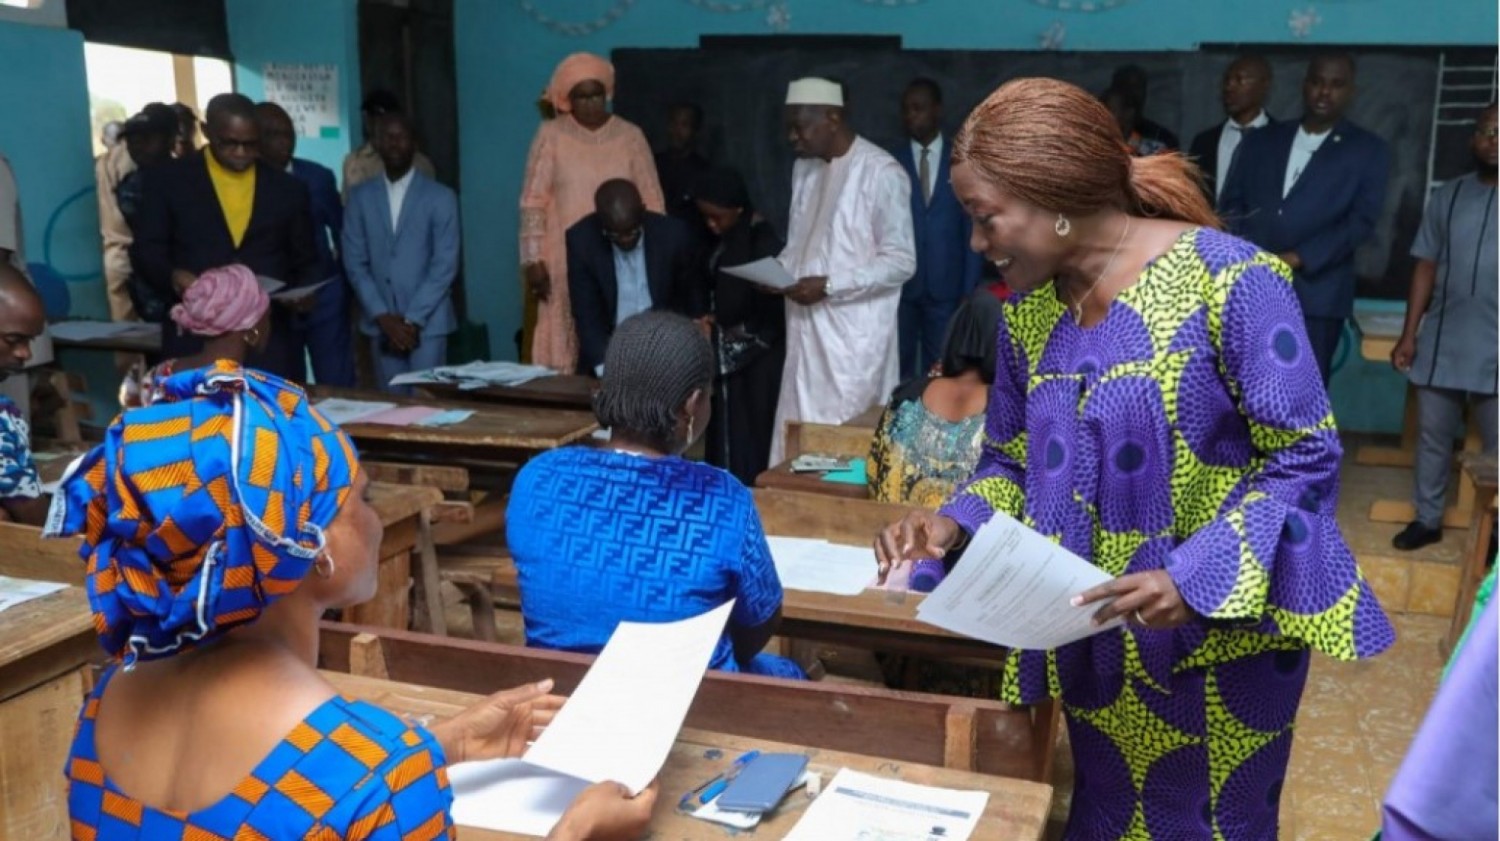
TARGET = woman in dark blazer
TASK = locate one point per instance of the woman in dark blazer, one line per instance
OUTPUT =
(750, 329)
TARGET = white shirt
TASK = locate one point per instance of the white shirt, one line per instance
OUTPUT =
(396, 192)
(850, 222)
(934, 160)
(1303, 147)
(1229, 140)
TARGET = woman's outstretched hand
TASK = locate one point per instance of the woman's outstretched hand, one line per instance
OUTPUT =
(918, 535)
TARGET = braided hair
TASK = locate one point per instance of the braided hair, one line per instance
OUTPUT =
(654, 361)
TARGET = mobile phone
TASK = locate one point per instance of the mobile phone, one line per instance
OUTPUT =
(762, 783)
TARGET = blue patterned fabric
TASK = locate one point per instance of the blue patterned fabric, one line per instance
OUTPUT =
(204, 507)
(350, 770)
(602, 537)
(18, 477)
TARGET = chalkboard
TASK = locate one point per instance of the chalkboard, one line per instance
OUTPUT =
(741, 82)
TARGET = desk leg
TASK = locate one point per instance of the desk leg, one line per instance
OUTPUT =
(1475, 565)
(429, 580)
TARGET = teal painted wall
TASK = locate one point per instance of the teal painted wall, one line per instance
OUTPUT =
(505, 56)
(46, 137)
(302, 32)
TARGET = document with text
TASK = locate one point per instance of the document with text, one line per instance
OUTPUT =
(1014, 587)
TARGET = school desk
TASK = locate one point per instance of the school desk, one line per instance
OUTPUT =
(563, 391)
(1016, 809)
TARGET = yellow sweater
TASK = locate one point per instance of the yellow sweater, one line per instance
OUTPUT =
(236, 192)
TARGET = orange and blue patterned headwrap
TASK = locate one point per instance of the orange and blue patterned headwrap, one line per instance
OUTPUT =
(201, 509)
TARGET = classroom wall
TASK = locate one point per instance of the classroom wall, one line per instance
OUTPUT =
(505, 56)
(44, 93)
(302, 32)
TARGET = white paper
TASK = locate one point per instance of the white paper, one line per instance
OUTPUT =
(767, 271)
(82, 331)
(270, 284)
(817, 566)
(309, 93)
(861, 807)
(297, 293)
(340, 411)
(1014, 587)
(477, 374)
(14, 591)
(621, 721)
(510, 795)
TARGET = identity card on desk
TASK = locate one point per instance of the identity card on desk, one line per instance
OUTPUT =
(619, 724)
(1014, 587)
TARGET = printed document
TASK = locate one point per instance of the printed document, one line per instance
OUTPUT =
(619, 724)
(767, 271)
(342, 412)
(818, 566)
(861, 807)
(1014, 587)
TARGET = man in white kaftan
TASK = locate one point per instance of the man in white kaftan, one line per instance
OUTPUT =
(851, 246)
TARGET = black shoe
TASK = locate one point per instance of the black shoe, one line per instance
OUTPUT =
(1415, 536)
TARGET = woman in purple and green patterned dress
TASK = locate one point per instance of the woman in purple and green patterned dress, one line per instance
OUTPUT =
(1157, 410)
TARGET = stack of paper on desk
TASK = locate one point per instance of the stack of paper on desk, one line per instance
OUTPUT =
(1014, 587)
(618, 725)
(476, 374)
(818, 566)
(856, 807)
(14, 591)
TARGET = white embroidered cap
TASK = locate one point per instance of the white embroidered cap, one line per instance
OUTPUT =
(815, 91)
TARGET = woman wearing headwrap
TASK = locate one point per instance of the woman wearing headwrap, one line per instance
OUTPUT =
(571, 155)
(751, 330)
(225, 306)
(218, 525)
(634, 532)
(1157, 410)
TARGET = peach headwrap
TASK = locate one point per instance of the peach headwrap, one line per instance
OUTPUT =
(579, 67)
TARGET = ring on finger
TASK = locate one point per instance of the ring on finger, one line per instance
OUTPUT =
(1141, 620)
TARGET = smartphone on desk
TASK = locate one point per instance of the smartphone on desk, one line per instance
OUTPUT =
(762, 783)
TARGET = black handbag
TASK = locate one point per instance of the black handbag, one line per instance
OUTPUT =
(738, 350)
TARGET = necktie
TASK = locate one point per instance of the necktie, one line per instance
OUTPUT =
(924, 174)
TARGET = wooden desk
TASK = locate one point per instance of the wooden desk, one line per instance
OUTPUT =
(782, 478)
(1479, 473)
(843, 440)
(143, 342)
(46, 646)
(556, 392)
(496, 432)
(1016, 809)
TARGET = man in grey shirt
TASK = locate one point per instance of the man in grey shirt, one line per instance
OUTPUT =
(1448, 345)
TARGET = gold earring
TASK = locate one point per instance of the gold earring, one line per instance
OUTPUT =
(1063, 227)
(253, 336)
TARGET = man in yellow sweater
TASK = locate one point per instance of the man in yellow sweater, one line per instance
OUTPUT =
(219, 207)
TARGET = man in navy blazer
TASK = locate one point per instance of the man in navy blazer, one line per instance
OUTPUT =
(1243, 92)
(184, 228)
(326, 329)
(947, 268)
(1310, 192)
(624, 260)
(401, 246)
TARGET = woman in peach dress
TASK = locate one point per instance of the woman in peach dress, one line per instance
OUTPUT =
(572, 154)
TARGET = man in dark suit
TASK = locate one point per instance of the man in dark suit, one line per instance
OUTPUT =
(623, 260)
(326, 331)
(1310, 192)
(1246, 83)
(217, 208)
(947, 268)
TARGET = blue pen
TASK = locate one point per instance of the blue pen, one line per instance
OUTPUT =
(717, 786)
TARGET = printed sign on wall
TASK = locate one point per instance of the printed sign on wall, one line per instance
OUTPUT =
(309, 93)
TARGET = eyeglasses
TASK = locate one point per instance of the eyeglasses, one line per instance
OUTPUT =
(631, 234)
(1488, 133)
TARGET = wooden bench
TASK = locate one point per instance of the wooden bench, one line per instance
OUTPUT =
(960, 733)
(1016, 810)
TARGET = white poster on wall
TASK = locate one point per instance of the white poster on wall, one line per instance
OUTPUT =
(309, 93)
